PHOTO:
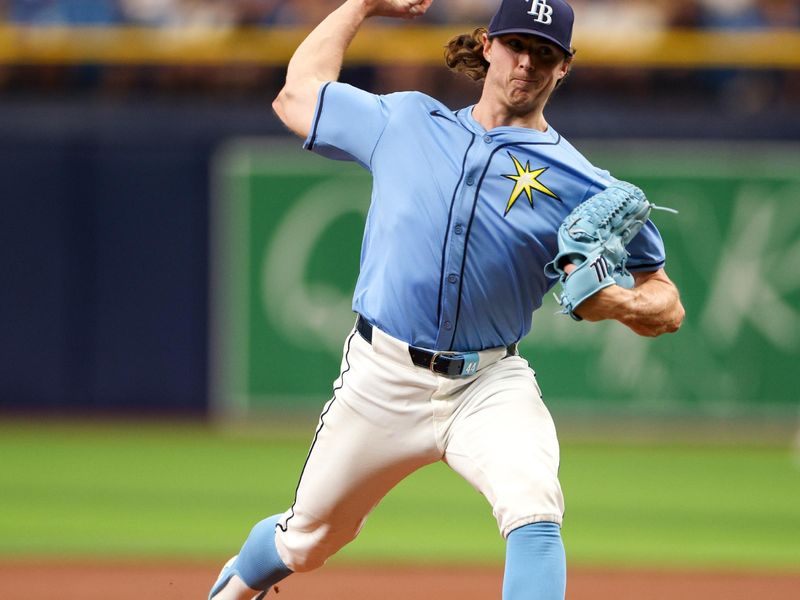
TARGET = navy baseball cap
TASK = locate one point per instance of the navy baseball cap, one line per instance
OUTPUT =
(550, 19)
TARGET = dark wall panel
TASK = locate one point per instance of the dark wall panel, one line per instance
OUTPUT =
(104, 235)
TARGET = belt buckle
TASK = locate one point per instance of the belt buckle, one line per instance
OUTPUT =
(433, 361)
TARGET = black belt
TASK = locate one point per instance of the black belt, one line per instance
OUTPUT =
(457, 364)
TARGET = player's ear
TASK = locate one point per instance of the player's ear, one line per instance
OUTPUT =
(487, 48)
(565, 67)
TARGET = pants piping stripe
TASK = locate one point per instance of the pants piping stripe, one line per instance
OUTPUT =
(285, 527)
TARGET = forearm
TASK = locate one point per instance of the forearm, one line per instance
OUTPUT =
(651, 308)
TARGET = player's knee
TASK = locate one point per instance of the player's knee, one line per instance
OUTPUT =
(551, 495)
(539, 501)
(309, 548)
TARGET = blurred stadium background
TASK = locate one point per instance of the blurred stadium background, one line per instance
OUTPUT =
(171, 255)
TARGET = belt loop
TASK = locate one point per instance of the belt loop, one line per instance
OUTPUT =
(364, 329)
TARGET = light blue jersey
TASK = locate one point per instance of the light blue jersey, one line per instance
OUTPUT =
(462, 221)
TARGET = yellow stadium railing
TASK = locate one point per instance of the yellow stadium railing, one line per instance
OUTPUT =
(754, 49)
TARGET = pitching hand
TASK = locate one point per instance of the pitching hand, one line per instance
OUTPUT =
(406, 9)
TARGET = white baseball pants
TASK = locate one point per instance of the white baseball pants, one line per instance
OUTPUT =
(388, 418)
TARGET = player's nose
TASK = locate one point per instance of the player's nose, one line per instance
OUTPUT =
(525, 60)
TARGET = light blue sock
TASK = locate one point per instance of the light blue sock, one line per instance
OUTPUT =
(258, 564)
(536, 566)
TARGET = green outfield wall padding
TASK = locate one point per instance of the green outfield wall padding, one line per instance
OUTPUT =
(287, 228)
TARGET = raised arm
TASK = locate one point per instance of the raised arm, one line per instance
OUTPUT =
(319, 57)
(652, 307)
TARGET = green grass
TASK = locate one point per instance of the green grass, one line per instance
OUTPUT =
(682, 505)
(186, 491)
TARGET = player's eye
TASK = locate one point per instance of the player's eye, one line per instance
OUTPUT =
(515, 45)
(546, 54)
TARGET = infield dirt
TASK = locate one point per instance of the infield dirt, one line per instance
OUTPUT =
(182, 581)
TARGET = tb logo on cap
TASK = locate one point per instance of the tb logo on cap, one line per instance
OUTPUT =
(542, 11)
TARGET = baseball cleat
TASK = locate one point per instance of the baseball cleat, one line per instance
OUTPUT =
(224, 578)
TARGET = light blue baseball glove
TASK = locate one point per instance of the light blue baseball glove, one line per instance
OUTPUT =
(593, 237)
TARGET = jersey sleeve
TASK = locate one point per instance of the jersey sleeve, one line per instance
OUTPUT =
(348, 122)
(646, 250)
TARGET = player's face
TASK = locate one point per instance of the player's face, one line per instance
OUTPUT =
(524, 69)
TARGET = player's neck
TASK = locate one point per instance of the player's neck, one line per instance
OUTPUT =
(493, 114)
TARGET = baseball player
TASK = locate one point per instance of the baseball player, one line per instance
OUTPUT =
(466, 212)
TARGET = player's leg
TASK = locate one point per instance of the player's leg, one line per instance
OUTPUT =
(371, 434)
(536, 566)
(503, 441)
(256, 568)
(374, 432)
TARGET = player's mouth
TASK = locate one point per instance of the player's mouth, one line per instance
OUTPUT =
(524, 84)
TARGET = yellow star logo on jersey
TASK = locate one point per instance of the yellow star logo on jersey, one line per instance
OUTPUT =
(525, 180)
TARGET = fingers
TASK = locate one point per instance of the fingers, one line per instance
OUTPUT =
(406, 9)
(420, 8)
(424, 6)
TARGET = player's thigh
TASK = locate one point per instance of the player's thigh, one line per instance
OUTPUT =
(504, 443)
(362, 447)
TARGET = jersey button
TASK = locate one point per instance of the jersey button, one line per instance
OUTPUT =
(459, 230)
(452, 278)
(470, 181)
(448, 325)
(487, 139)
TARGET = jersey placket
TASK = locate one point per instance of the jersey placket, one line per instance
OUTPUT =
(453, 272)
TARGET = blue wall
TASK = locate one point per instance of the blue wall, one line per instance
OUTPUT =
(104, 234)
